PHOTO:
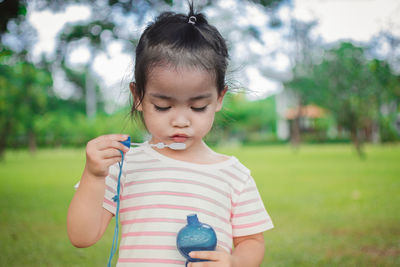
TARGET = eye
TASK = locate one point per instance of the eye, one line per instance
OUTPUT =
(158, 108)
(199, 109)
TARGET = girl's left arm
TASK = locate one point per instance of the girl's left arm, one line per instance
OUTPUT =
(249, 252)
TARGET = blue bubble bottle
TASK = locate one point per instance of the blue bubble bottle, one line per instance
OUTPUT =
(195, 236)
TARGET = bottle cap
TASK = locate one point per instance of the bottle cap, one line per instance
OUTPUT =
(192, 219)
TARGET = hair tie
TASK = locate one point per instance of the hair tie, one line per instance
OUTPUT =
(192, 20)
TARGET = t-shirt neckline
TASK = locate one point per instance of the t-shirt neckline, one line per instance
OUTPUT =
(148, 149)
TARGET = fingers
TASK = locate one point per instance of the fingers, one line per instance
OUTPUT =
(110, 153)
(112, 141)
(220, 257)
(205, 255)
(117, 137)
(205, 264)
(219, 248)
(104, 151)
(112, 161)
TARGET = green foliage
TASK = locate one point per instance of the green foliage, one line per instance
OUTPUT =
(320, 131)
(58, 128)
(268, 3)
(244, 120)
(349, 89)
(350, 86)
(388, 131)
(387, 82)
(90, 30)
(24, 91)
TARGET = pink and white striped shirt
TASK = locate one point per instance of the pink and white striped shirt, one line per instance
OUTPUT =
(157, 193)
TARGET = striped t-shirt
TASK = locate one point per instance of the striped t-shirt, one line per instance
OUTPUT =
(157, 194)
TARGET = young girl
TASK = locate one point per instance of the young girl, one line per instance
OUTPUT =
(180, 83)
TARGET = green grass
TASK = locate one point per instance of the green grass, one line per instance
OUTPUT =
(329, 207)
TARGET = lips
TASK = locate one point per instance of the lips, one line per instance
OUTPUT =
(179, 138)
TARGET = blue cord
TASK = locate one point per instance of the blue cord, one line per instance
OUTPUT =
(116, 198)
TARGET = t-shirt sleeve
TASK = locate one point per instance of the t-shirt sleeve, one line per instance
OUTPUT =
(111, 188)
(249, 215)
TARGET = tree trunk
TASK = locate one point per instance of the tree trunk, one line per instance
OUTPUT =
(90, 97)
(376, 133)
(3, 138)
(295, 136)
(376, 124)
(32, 142)
(2, 144)
(296, 131)
(357, 142)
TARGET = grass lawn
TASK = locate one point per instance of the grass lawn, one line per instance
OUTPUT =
(329, 207)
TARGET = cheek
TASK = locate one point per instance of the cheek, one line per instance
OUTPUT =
(152, 121)
(205, 123)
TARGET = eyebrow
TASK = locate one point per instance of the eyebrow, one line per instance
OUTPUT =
(165, 97)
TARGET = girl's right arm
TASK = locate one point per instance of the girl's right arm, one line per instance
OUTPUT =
(87, 219)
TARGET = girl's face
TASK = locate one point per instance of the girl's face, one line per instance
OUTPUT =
(179, 105)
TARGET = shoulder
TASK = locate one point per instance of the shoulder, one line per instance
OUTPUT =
(236, 171)
(240, 167)
(217, 157)
(237, 166)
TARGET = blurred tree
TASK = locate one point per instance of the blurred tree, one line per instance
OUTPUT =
(389, 42)
(103, 24)
(24, 91)
(303, 57)
(240, 118)
(11, 9)
(344, 84)
(388, 100)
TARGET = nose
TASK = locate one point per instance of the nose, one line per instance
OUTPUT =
(180, 120)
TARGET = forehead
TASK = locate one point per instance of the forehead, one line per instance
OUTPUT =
(180, 81)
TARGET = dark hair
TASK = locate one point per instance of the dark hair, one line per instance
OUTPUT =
(179, 40)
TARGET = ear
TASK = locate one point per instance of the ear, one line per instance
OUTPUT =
(132, 87)
(221, 98)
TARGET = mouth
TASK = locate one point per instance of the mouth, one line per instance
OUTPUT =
(179, 138)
